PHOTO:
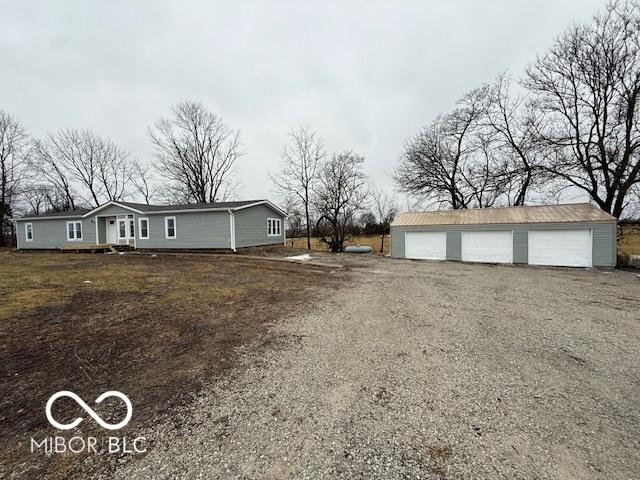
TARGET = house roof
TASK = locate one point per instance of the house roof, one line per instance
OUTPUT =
(566, 213)
(143, 208)
(189, 206)
(78, 212)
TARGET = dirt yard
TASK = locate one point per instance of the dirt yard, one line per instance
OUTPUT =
(153, 327)
(366, 368)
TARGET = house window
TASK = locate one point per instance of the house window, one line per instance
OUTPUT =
(28, 232)
(170, 227)
(132, 230)
(273, 227)
(143, 226)
(74, 231)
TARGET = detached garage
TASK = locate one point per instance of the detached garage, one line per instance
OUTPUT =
(572, 235)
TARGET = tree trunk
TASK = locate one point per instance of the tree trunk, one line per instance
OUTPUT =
(306, 211)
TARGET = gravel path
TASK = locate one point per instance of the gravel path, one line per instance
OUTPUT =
(428, 370)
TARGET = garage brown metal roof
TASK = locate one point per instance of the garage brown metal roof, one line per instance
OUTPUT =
(574, 212)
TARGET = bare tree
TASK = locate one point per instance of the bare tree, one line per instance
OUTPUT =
(37, 198)
(511, 123)
(83, 166)
(47, 166)
(587, 89)
(197, 151)
(340, 194)
(301, 161)
(143, 181)
(385, 208)
(13, 162)
(436, 163)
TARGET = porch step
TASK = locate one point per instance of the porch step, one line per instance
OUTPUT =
(121, 248)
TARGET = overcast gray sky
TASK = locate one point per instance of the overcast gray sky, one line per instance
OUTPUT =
(364, 75)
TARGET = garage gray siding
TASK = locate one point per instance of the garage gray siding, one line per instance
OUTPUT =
(603, 245)
(520, 246)
(193, 230)
(454, 245)
(52, 233)
(397, 242)
(251, 227)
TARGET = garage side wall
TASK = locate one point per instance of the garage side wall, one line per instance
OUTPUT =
(603, 244)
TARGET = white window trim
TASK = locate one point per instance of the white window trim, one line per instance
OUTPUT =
(273, 221)
(166, 228)
(140, 220)
(75, 231)
(26, 229)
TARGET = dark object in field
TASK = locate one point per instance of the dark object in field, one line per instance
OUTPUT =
(354, 249)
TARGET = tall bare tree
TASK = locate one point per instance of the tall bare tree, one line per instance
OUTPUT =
(197, 151)
(83, 167)
(586, 89)
(385, 208)
(436, 164)
(511, 124)
(301, 161)
(13, 162)
(340, 194)
(143, 181)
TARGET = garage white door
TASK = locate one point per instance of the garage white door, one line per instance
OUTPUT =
(426, 245)
(491, 247)
(563, 248)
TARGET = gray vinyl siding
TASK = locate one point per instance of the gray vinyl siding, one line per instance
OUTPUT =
(193, 230)
(604, 245)
(603, 238)
(52, 233)
(251, 227)
(454, 245)
(521, 246)
(397, 242)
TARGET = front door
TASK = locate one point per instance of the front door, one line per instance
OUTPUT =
(112, 230)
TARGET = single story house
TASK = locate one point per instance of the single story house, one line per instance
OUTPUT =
(571, 235)
(223, 225)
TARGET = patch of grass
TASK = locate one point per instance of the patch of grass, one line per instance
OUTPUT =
(373, 241)
(154, 328)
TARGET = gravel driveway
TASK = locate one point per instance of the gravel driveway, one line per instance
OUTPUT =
(428, 370)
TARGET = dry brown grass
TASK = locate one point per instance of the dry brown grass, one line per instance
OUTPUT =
(373, 241)
(628, 242)
(154, 328)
